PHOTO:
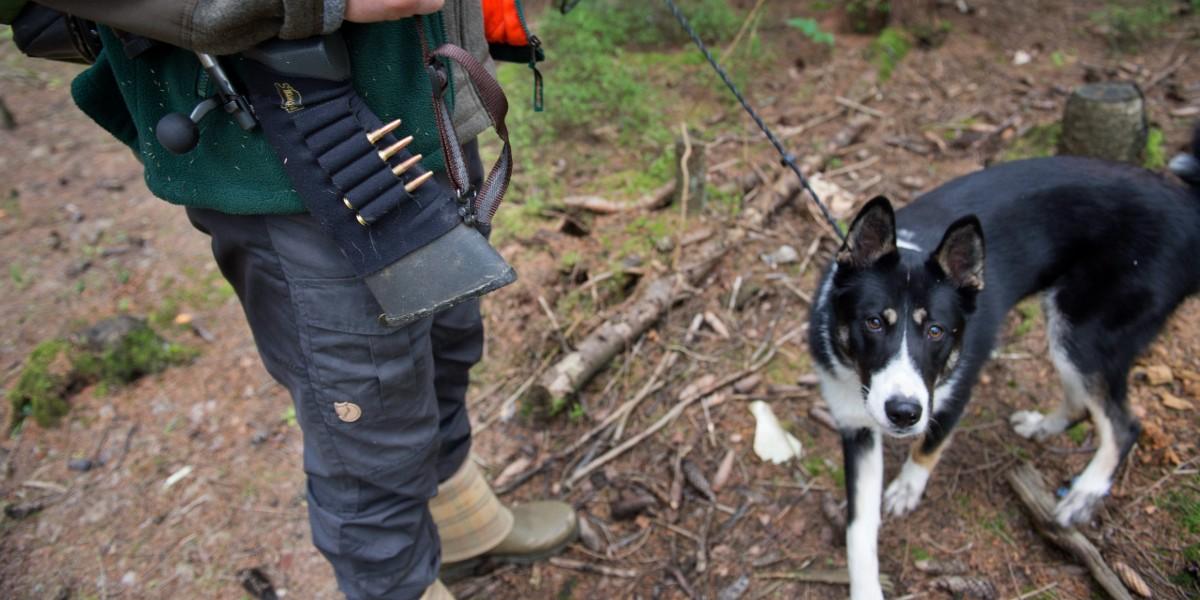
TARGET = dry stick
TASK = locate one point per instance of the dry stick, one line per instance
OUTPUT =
(509, 407)
(860, 107)
(667, 419)
(669, 360)
(1029, 486)
(1174, 66)
(684, 184)
(578, 565)
(741, 31)
(558, 332)
(827, 576)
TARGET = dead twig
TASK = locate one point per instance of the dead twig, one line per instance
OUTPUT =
(1030, 488)
(860, 107)
(666, 419)
(585, 567)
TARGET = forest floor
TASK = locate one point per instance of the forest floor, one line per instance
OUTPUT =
(195, 471)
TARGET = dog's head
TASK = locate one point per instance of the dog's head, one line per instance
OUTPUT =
(900, 324)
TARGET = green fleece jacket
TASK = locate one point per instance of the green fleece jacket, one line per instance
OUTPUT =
(232, 170)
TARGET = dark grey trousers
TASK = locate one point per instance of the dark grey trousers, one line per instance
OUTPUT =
(316, 328)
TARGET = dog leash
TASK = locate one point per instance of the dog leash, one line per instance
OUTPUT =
(786, 158)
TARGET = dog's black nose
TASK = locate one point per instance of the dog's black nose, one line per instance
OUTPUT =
(903, 412)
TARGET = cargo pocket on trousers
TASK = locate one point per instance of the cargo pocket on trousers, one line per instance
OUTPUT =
(365, 376)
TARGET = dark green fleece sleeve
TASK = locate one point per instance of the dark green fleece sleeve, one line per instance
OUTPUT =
(9, 9)
(213, 26)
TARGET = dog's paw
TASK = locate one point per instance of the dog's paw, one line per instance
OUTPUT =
(1077, 507)
(904, 493)
(1033, 425)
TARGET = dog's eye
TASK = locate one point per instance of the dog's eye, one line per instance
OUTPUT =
(874, 323)
(936, 332)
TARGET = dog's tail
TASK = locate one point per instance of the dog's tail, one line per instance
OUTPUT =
(1187, 166)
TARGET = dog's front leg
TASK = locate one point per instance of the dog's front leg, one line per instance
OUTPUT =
(863, 453)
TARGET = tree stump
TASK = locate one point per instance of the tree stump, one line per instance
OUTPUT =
(697, 172)
(1105, 120)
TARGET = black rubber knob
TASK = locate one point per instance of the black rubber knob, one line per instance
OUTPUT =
(177, 133)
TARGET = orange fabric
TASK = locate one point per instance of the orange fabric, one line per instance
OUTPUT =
(502, 23)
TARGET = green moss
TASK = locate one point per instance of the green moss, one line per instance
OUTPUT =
(1184, 504)
(888, 50)
(142, 352)
(1039, 141)
(919, 553)
(1030, 312)
(1078, 433)
(1155, 156)
(40, 391)
(56, 367)
(812, 30)
(1128, 27)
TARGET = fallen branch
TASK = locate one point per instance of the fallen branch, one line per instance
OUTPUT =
(594, 352)
(666, 419)
(1029, 486)
(594, 204)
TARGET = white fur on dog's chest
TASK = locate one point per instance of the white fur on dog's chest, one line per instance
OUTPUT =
(842, 391)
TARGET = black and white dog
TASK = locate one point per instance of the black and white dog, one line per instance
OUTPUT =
(910, 310)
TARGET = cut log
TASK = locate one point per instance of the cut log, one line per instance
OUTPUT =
(1027, 482)
(574, 370)
(1105, 120)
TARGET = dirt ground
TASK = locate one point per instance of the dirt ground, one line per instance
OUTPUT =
(197, 470)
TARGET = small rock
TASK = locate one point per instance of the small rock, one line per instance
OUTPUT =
(912, 182)
(664, 244)
(747, 384)
(259, 437)
(79, 268)
(73, 213)
(1021, 57)
(783, 256)
(129, 579)
(80, 464)
(735, 590)
(20, 511)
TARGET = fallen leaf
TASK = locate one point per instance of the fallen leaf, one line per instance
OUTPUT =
(1155, 374)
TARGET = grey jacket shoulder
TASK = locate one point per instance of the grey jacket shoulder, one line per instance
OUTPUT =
(464, 28)
(212, 26)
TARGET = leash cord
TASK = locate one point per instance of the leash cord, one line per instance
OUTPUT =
(786, 158)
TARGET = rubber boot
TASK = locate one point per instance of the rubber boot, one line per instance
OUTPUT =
(478, 532)
(437, 591)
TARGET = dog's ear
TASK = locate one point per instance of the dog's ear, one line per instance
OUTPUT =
(872, 235)
(960, 255)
